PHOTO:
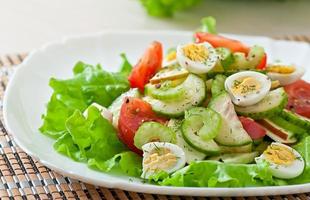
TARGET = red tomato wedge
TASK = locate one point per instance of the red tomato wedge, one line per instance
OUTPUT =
(133, 113)
(255, 130)
(220, 41)
(147, 66)
(263, 63)
(299, 97)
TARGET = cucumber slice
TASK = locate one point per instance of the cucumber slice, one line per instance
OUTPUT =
(287, 125)
(191, 154)
(271, 105)
(243, 62)
(226, 57)
(239, 158)
(190, 127)
(195, 111)
(240, 62)
(296, 119)
(153, 132)
(165, 91)
(115, 107)
(255, 56)
(195, 94)
(232, 132)
(240, 149)
(217, 86)
(212, 121)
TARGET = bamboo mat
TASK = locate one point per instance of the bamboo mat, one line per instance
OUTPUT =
(22, 177)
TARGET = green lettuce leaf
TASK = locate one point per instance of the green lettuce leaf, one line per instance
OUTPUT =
(126, 162)
(65, 145)
(217, 174)
(94, 140)
(95, 136)
(126, 67)
(89, 84)
(303, 147)
(208, 24)
(166, 8)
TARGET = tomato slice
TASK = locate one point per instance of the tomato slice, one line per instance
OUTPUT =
(220, 41)
(133, 113)
(255, 130)
(263, 63)
(147, 66)
(299, 97)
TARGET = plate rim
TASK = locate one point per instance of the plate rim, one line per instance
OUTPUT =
(146, 188)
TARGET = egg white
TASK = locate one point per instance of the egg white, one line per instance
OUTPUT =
(250, 98)
(197, 67)
(175, 149)
(283, 171)
(286, 79)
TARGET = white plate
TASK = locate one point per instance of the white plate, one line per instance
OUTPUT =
(28, 92)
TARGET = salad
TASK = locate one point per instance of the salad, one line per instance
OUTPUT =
(209, 113)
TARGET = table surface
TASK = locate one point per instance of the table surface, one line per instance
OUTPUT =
(26, 25)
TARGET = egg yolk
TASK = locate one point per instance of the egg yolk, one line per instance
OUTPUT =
(245, 85)
(195, 52)
(279, 155)
(160, 159)
(281, 69)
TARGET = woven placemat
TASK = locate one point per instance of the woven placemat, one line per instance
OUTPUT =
(22, 177)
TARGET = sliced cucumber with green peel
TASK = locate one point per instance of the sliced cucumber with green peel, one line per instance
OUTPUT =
(153, 132)
(195, 93)
(211, 120)
(217, 86)
(255, 56)
(232, 132)
(272, 104)
(165, 91)
(226, 57)
(250, 61)
(287, 125)
(210, 126)
(296, 119)
(190, 129)
(239, 158)
(195, 111)
(239, 149)
(240, 61)
(191, 154)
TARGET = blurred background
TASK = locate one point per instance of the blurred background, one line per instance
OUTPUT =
(27, 24)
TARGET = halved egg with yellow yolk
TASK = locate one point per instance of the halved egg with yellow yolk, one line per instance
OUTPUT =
(247, 88)
(284, 161)
(197, 58)
(161, 156)
(285, 74)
